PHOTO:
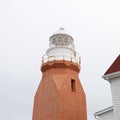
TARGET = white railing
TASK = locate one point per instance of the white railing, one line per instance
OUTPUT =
(72, 58)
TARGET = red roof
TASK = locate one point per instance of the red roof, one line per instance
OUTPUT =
(115, 67)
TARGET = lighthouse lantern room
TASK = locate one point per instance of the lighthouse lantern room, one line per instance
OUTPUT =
(61, 47)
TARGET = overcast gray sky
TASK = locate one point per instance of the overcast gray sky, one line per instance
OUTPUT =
(25, 28)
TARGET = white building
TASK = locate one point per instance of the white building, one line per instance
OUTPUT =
(112, 75)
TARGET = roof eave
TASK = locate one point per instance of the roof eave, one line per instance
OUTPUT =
(111, 76)
(103, 111)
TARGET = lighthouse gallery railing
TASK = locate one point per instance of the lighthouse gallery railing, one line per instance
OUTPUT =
(73, 58)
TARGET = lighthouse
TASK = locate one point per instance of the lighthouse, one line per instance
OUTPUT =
(60, 95)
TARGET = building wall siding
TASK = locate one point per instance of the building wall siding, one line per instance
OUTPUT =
(115, 88)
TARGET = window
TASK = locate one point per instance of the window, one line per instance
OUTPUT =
(72, 85)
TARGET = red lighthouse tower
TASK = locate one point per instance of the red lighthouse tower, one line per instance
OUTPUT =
(60, 95)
